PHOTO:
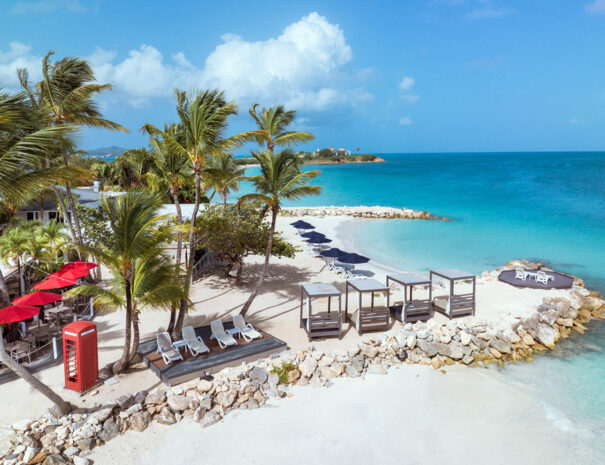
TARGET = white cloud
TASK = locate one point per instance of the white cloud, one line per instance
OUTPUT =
(406, 83)
(405, 121)
(18, 56)
(489, 13)
(595, 7)
(47, 6)
(301, 68)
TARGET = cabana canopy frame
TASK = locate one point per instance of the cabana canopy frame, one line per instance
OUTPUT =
(321, 324)
(368, 319)
(412, 310)
(454, 305)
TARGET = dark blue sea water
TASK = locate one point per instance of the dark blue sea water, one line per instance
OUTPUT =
(546, 206)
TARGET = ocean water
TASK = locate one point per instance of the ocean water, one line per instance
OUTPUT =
(502, 206)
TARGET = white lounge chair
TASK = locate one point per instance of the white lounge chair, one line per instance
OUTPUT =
(166, 349)
(543, 278)
(521, 274)
(218, 332)
(195, 344)
(246, 329)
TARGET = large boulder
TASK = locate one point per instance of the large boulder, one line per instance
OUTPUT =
(204, 386)
(427, 347)
(226, 398)
(452, 350)
(110, 430)
(180, 403)
(139, 421)
(155, 397)
(546, 335)
(258, 374)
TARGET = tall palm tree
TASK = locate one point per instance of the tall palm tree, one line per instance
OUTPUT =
(203, 120)
(15, 244)
(272, 124)
(137, 235)
(66, 96)
(168, 171)
(280, 179)
(55, 237)
(223, 175)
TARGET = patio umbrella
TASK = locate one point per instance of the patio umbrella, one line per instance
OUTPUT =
(72, 273)
(300, 224)
(353, 259)
(334, 252)
(79, 265)
(37, 298)
(313, 235)
(319, 240)
(54, 282)
(16, 313)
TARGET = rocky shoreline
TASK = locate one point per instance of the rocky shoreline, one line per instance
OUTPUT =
(472, 341)
(362, 212)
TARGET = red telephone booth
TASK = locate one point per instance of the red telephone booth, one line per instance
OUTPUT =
(80, 356)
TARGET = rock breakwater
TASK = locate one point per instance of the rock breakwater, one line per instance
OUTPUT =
(362, 212)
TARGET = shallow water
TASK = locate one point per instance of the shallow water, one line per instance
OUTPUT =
(539, 206)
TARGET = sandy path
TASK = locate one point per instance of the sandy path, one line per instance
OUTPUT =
(414, 415)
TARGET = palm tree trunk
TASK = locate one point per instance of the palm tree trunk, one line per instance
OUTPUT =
(123, 362)
(179, 252)
(41, 214)
(63, 209)
(72, 203)
(172, 320)
(183, 304)
(135, 337)
(62, 406)
(261, 279)
(21, 280)
(3, 291)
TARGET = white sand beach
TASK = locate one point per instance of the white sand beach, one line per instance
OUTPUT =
(413, 415)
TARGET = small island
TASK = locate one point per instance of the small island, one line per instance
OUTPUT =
(327, 156)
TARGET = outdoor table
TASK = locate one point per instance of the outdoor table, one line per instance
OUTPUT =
(18, 349)
(234, 332)
(369, 318)
(180, 343)
(411, 310)
(320, 325)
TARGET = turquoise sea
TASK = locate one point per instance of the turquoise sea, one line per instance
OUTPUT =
(539, 206)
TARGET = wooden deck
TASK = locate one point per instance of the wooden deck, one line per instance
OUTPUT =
(561, 281)
(195, 367)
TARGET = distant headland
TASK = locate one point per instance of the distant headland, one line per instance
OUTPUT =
(327, 156)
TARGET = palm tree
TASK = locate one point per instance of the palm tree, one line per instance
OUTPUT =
(138, 235)
(223, 175)
(280, 179)
(54, 236)
(65, 96)
(15, 244)
(272, 126)
(168, 171)
(203, 120)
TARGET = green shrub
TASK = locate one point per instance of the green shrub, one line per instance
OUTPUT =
(367, 157)
(283, 370)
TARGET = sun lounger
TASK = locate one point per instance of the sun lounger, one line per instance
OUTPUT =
(521, 274)
(195, 344)
(543, 278)
(246, 329)
(166, 349)
(218, 332)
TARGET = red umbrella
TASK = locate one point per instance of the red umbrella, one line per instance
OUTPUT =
(79, 265)
(16, 313)
(37, 298)
(54, 282)
(71, 273)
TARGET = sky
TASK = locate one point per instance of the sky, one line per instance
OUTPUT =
(388, 76)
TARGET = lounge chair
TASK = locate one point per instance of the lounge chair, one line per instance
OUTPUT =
(218, 332)
(520, 273)
(195, 344)
(166, 349)
(543, 278)
(246, 329)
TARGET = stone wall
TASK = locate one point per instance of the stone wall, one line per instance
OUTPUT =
(471, 341)
(361, 212)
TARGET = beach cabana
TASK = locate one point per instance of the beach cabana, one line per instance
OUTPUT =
(320, 324)
(412, 310)
(452, 304)
(368, 318)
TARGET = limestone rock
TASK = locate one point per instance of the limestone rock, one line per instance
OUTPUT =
(465, 338)
(307, 366)
(500, 346)
(377, 370)
(125, 401)
(55, 460)
(204, 386)
(258, 374)
(210, 418)
(351, 371)
(81, 461)
(180, 403)
(100, 415)
(437, 362)
(166, 417)
(427, 347)
(139, 421)
(411, 341)
(71, 451)
(139, 397)
(110, 430)
(155, 397)
(292, 376)
(452, 350)
(546, 335)
(226, 398)
(30, 453)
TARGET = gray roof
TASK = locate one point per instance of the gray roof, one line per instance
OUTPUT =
(409, 278)
(321, 290)
(367, 285)
(453, 273)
